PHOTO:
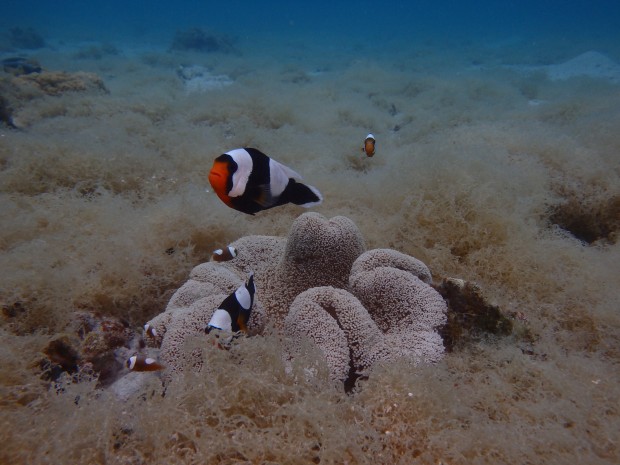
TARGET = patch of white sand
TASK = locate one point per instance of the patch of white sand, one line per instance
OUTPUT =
(198, 79)
(590, 64)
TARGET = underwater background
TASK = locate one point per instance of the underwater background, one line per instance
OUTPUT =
(497, 161)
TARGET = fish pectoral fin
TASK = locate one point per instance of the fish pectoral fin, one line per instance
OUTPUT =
(241, 322)
(262, 195)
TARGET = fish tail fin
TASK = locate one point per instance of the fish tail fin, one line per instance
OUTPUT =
(300, 194)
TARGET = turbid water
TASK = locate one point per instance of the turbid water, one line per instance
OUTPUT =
(497, 161)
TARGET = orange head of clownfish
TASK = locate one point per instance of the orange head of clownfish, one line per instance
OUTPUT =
(220, 178)
(369, 145)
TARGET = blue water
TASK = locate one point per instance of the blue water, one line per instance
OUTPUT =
(339, 22)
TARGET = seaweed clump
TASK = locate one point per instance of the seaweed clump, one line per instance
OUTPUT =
(28, 83)
(59, 82)
(469, 314)
(587, 220)
(198, 40)
(97, 52)
(93, 343)
(6, 112)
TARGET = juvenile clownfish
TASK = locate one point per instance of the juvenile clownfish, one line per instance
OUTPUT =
(369, 145)
(150, 330)
(223, 255)
(142, 363)
(234, 312)
(249, 181)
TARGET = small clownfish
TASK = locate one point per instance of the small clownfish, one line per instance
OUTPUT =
(150, 330)
(143, 363)
(223, 255)
(234, 312)
(249, 181)
(369, 145)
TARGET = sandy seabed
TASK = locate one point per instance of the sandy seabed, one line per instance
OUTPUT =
(484, 170)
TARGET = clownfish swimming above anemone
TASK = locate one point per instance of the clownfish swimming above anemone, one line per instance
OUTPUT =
(249, 181)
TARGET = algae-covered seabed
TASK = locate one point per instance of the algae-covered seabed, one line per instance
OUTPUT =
(482, 171)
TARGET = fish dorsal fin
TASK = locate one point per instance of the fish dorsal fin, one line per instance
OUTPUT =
(288, 172)
(280, 176)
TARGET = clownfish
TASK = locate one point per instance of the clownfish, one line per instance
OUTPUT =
(223, 255)
(234, 312)
(249, 181)
(369, 145)
(150, 330)
(143, 363)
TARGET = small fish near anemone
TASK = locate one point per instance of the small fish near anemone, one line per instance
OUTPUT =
(232, 315)
(369, 145)
(224, 255)
(234, 312)
(141, 363)
(249, 181)
(150, 330)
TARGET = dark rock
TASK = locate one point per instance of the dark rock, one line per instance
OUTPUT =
(13, 309)
(108, 334)
(20, 65)
(106, 366)
(198, 40)
(62, 353)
